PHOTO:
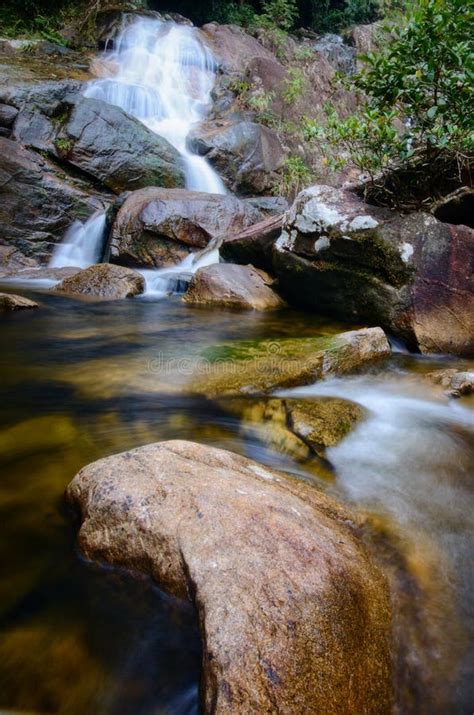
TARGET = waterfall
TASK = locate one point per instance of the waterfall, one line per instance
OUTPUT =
(82, 244)
(162, 74)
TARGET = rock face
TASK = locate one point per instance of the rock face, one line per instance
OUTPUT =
(259, 367)
(246, 155)
(159, 227)
(339, 55)
(104, 281)
(11, 302)
(103, 141)
(232, 47)
(239, 287)
(410, 274)
(38, 202)
(294, 616)
(456, 383)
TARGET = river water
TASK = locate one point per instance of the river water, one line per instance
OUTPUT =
(82, 380)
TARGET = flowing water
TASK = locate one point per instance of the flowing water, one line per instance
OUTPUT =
(83, 243)
(82, 380)
(162, 74)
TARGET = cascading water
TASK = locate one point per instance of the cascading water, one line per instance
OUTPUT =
(162, 74)
(82, 245)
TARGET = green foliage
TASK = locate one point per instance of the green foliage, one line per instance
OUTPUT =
(233, 13)
(260, 101)
(33, 19)
(304, 52)
(294, 85)
(419, 96)
(294, 176)
(64, 145)
(330, 16)
(279, 14)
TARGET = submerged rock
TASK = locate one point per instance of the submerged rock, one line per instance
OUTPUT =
(11, 302)
(294, 616)
(410, 274)
(159, 227)
(298, 427)
(262, 366)
(456, 383)
(104, 281)
(240, 287)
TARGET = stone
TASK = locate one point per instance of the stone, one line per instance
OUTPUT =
(104, 281)
(269, 205)
(230, 286)
(456, 383)
(410, 274)
(10, 302)
(339, 55)
(55, 201)
(294, 616)
(324, 421)
(253, 245)
(232, 46)
(262, 366)
(159, 227)
(245, 154)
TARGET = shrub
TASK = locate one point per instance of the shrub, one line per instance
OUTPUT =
(417, 116)
(294, 85)
(294, 176)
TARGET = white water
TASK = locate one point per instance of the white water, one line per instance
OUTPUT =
(82, 245)
(162, 74)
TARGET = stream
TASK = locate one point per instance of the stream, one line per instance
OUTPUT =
(82, 380)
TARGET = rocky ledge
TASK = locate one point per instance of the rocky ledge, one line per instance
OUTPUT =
(294, 616)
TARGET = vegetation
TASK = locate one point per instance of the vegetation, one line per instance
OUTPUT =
(414, 133)
(294, 176)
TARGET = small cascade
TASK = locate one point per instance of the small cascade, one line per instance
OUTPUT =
(175, 279)
(162, 74)
(83, 243)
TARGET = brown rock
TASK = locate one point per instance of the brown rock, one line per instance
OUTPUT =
(456, 383)
(159, 227)
(240, 287)
(294, 616)
(254, 244)
(232, 46)
(10, 302)
(245, 154)
(104, 281)
(323, 422)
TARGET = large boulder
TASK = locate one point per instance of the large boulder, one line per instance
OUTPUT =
(39, 203)
(410, 274)
(103, 141)
(258, 367)
(159, 227)
(232, 46)
(294, 616)
(104, 281)
(231, 286)
(245, 154)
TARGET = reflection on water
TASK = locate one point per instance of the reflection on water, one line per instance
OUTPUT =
(79, 381)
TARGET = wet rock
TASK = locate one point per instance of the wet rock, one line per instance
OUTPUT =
(159, 227)
(54, 201)
(456, 383)
(10, 302)
(104, 142)
(246, 155)
(366, 38)
(239, 287)
(45, 96)
(259, 367)
(298, 427)
(12, 260)
(410, 274)
(7, 115)
(104, 281)
(339, 55)
(293, 615)
(323, 422)
(253, 245)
